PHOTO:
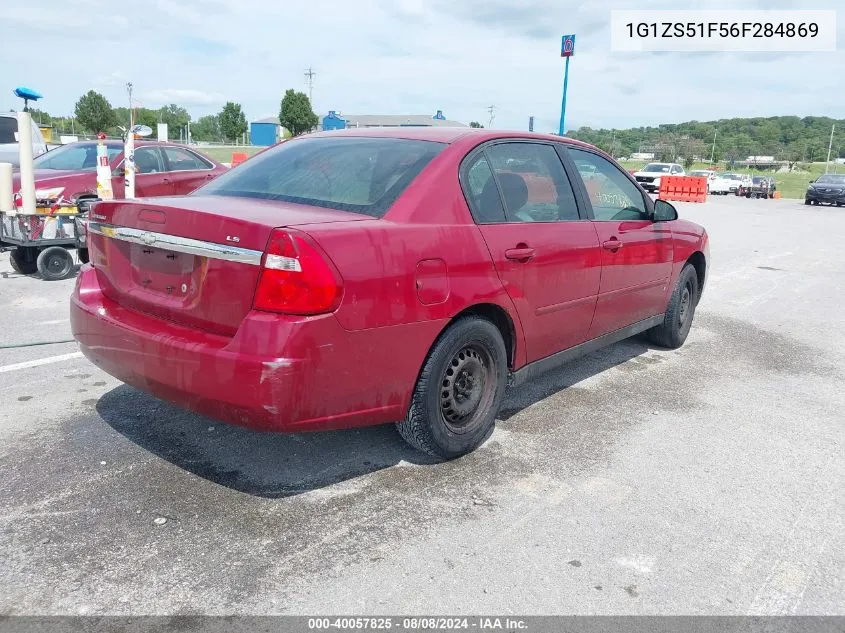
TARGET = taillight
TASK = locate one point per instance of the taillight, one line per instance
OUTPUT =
(295, 277)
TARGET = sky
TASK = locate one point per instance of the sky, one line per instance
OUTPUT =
(401, 57)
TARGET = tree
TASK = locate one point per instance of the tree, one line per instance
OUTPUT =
(40, 117)
(296, 114)
(206, 128)
(176, 118)
(475, 124)
(688, 162)
(93, 112)
(232, 121)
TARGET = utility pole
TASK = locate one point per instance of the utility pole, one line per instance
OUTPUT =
(713, 151)
(829, 147)
(131, 111)
(309, 79)
(492, 110)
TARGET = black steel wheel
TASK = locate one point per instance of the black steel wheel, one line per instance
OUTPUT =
(54, 263)
(459, 390)
(24, 260)
(677, 320)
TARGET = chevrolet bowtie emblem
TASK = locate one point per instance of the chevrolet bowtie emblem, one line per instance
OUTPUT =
(148, 238)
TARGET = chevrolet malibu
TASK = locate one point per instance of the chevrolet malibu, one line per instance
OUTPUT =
(402, 275)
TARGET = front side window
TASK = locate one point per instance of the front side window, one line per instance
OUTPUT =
(612, 195)
(362, 175)
(179, 159)
(533, 183)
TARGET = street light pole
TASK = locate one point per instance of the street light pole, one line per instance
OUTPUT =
(713, 151)
(829, 147)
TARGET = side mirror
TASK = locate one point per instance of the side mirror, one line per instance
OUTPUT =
(664, 212)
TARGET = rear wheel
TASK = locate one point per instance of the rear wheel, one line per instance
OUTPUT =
(459, 391)
(23, 260)
(55, 263)
(678, 318)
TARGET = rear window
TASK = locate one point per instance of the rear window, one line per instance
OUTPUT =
(74, 157)
(364, 175)
(8, 128)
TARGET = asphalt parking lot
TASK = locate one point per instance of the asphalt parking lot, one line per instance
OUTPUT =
(636, 480)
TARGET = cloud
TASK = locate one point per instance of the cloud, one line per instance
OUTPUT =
(399, 57)
(182, 96)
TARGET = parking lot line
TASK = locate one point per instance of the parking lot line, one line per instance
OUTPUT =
(40, 361)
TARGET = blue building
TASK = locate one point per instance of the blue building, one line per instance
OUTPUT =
(265, 132)
(333, 121)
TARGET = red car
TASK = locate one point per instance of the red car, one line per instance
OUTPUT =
(367, 276)
(163, 169)
(70, 172)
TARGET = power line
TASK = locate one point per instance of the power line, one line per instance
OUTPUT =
(309, 79)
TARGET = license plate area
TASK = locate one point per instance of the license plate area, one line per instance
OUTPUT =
(162, 272)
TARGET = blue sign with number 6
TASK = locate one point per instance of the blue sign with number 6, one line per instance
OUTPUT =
(567, 46)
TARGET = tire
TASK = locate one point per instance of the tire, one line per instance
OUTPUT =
(679, 315)
(23, 261)
(83, 255)
(806, 201)
(55, 263)
(442, 419)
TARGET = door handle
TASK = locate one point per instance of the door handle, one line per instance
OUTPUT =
(166, 181)
(612, 244)
(209, 176)
(520, 254)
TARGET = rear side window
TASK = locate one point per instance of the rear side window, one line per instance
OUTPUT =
(363, 175)
(483, 193)
(8, 129)
(533, 182)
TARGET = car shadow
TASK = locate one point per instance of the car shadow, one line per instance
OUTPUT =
(277, 465)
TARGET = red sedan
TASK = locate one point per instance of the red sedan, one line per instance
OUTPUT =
(70, 173)
(163, 169)
(367, 276)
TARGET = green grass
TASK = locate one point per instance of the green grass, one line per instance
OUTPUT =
(224, 154)
(790, 185)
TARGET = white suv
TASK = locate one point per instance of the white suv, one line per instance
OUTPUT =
(649, 176)
(9, 151)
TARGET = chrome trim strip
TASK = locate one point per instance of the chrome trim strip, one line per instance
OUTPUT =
(178, 244)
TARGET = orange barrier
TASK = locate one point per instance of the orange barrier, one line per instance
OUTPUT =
(683, 188)
(777, 195)
(238, 158)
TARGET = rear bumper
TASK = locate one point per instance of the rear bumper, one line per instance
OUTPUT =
(277, 373)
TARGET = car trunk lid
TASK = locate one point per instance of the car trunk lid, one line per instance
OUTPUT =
(193, 260)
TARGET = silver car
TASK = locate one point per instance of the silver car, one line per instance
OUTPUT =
(9, 152)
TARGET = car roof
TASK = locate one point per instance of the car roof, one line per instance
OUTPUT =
(443, 134)
(113, 142)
